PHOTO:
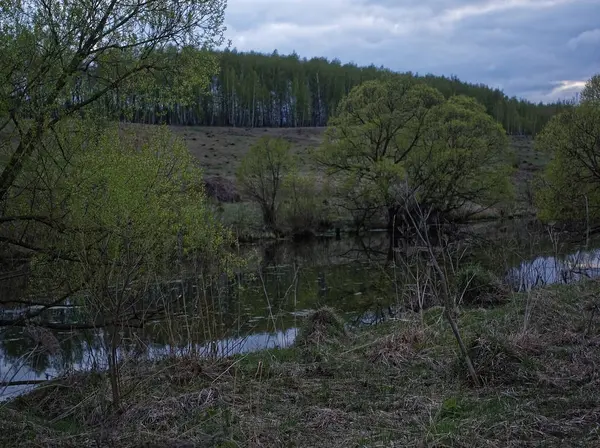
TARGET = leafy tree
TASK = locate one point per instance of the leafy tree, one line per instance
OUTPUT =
(131, 208)
(377, 127)
(591, 91)
(462, 160)
(61, 58)
(261, 175)
(63, 65)
(396, 139)
(569, 189)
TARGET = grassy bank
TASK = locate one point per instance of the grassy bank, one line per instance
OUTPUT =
(397, 384)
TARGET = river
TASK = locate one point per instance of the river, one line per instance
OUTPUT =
(263, 306)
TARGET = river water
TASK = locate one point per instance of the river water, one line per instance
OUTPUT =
(263, 306)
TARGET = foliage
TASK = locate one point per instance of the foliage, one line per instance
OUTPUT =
(377, 126)
(398, 137)
(591, 91)
(304, 208)
(81, 207)
(464, 158)
(261, 175)
(569, 189)
(61, 59)
(105, 213)
(133, 209)
(133, 203)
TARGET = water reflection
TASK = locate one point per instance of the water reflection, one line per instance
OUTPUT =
(554, 270)
(259, 308)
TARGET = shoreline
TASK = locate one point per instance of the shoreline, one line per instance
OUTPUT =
(396, 384)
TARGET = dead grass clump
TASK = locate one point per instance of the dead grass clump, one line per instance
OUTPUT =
(162, 415)
(192, 369)
(397, 348)
(81, 396)
(323, 326)
(322, 418)
(498, 363)
(559, 316)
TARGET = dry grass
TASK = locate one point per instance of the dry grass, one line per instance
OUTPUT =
(396, 384)
(323, 326)
(220, 149)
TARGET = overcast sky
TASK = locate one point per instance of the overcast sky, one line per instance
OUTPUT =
(537, 49)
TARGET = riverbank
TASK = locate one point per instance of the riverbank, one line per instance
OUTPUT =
(396, 384)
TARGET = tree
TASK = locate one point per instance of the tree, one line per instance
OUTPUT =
(304, 205)
(377, 127)
(569, 189)
(64, 64)
(397, 139)
(462, 160)
(591, 91)
(61, 58)
(132, 208)
(261, 174)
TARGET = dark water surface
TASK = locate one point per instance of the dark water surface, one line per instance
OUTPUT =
(263, 306)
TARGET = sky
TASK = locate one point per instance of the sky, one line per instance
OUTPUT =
(541, 50)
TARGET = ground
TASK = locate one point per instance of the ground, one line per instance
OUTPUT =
(220, 149)
(399, 384)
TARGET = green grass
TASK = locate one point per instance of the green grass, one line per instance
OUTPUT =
(401, 383)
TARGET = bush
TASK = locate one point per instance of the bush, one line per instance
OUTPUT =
(475, 285)
(304, 209)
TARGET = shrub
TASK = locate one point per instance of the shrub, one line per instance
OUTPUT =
(475, 285)
(304, 209)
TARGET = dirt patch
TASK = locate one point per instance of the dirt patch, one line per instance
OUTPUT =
(221, 189)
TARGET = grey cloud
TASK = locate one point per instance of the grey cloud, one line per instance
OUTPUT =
(528, 48)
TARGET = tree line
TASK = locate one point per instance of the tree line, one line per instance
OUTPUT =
(251, 89)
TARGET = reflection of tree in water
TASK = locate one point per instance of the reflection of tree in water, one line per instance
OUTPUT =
(349, 275)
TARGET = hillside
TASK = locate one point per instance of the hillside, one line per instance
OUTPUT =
(220, 150)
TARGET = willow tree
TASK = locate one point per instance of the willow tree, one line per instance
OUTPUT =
(398, 139)
(461, 165)
(569, 189)
(376, 128)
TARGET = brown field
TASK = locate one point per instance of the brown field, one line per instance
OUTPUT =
(220, 149)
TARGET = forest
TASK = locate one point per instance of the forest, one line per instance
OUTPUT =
(261, 90)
